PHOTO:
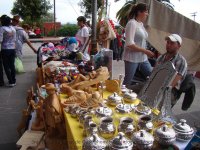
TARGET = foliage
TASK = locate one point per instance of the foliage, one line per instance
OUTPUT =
(86, 7)
(65, 30)
(31, 10)
(123, 13)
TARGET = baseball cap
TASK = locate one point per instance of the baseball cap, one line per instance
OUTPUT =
(174, 38)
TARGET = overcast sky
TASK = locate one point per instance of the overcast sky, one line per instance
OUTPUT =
(68, 10)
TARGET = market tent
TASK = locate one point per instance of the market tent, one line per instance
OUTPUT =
(162, 21)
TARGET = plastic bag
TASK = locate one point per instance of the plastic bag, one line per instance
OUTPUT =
(19, 68)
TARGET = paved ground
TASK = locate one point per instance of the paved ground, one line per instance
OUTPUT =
(12, 100)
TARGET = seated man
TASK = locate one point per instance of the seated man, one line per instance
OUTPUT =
(173, 44)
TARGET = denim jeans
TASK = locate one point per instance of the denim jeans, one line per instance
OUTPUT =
(8, 57)
(131, 67)
(1, 71)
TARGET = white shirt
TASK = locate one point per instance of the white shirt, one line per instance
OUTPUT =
(135, 33)
(7, 37)
(82, 33)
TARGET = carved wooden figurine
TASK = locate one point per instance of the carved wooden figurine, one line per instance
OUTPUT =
(54, 120)
(94, 77)
(38, 124)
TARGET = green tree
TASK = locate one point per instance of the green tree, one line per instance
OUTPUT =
(86, 7)
(123, 14)
(31, 10)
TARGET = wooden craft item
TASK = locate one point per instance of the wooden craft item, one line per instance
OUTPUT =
(112, 86)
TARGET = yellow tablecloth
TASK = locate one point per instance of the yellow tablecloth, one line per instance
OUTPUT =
(75, 132)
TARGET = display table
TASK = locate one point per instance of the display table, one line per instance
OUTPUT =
(75, 132)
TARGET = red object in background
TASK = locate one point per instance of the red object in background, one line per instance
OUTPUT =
(48, 26)
(37, 31)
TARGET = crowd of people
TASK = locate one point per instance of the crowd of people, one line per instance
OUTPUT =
(12, 38)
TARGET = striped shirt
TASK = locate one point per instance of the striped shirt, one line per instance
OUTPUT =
(179, 62)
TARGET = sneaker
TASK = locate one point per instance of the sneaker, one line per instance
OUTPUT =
(11, 85)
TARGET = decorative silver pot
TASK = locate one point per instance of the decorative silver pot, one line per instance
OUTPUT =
(81, 117)
(145, 123)
(126, 126)
(86, 123)
(123, 89)
(142, 109)
(103, 112)
(73, 111)
(183, 131)
(120, 142)
(165, 135)
(114, 99)
(106, 128)
(94, 142)
(123, 108)
(92, 129)
(142, 140)
(129, 96)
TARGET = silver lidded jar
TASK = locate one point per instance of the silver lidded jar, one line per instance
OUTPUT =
(142, 109)
(94, 142)
(164, 135)
(114, 99)
(145, 123)
(120, 142)
(103, 111)
(129, 96)
(123, 108)
(142, 140)
(106, 128)
(126, 126)
(183, 131)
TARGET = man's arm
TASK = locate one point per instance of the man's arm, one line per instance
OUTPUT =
(177, 78)
(31, 46)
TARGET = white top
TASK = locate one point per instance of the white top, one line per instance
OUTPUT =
(135, 33)
(82, 33)
(7, 37)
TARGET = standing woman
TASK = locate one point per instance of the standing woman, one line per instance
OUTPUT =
(83, 34)
(136, 54)
(7, 40)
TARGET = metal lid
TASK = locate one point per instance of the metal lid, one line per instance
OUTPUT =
(165, 132)
(94, 142)
(142, 137)
(123, 108)
(183, 127)
(121, 142)
(130, 95)
(115, 97)
(103, 111)
(142, 109)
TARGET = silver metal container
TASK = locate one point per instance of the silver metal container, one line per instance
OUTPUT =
(141, 109)
(129, 96)
(183, 131)
(106, 128)
(114, 99)
(126, 126)
(165, 135)
(145, 123)
(94, 142)
(120, 142)
(123, 89)
(142, 140)
(103, 112)
(123, 108)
